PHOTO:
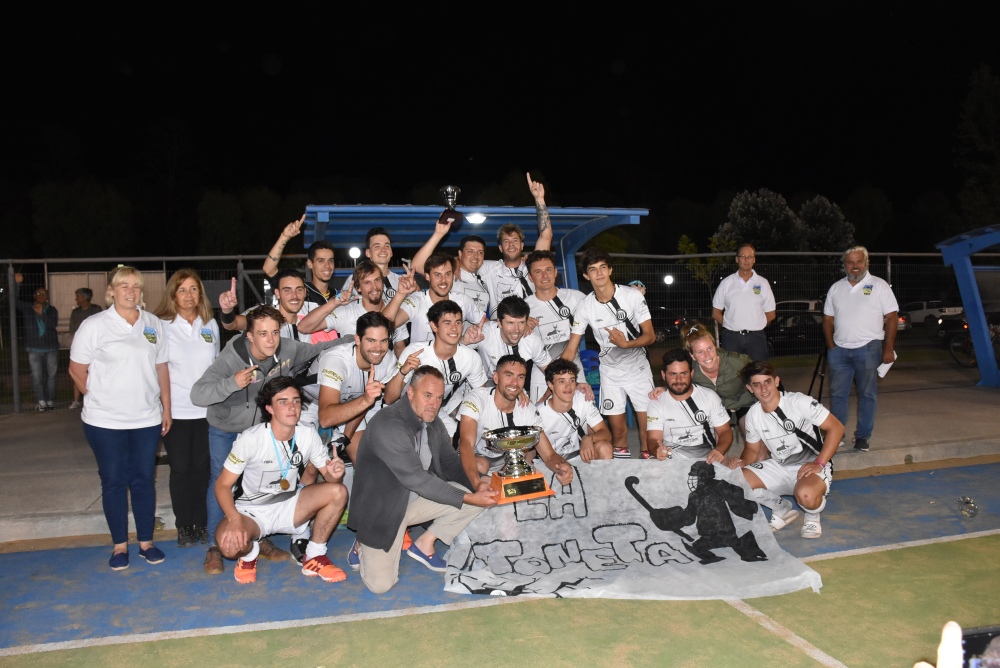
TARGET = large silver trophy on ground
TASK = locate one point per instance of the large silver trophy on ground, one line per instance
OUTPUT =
(449, 215)
(517, 480)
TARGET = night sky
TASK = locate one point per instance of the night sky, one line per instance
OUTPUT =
(612, 108)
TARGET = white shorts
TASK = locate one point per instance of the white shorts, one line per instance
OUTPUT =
(637, 391)
(272, 518)
(781, 478)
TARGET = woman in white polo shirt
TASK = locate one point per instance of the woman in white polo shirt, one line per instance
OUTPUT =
(192, 344)
(119, 361)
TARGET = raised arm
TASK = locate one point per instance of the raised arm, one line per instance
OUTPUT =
(441, 230)
(274, 255)
(544, 242)
(231, 320)
(315, 320)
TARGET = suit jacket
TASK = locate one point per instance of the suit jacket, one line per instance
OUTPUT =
(388, 468)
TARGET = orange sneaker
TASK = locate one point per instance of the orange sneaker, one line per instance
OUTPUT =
(407, 541)
(322, 567)
(245, 571)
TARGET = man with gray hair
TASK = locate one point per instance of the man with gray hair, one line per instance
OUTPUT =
(860, 318)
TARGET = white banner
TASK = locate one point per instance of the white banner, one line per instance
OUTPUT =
(677, 529)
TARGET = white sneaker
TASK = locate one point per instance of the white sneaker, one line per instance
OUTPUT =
(75, 405)
(40, 408)
(782, 517)
(811, 527)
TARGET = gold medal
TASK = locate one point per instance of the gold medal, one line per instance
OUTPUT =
(284, 484)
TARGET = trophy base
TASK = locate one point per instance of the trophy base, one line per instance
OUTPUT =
(522, 488)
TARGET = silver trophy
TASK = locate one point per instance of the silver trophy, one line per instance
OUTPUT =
(450, 194)
(517, 479)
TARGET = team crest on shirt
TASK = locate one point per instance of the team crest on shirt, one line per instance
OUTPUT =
(296, 459)
(788, 425)
(621, 315)
(756, 289)
(455, 376)
(608, 404)
(564, 312)
(150, 334)
(389, 293)
(207, 335)
(333, 375)
(867, 289)
(471, 406)
(700, 417)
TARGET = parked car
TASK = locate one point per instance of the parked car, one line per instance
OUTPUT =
(667, 325)
(949, 325)
(795, 333)
(928, 312)
(800, 305)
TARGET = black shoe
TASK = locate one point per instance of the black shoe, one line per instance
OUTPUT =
(861, 445)
(298, 549)
(185, 538)
(200, 533)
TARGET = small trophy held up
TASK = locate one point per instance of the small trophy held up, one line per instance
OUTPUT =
(517, 480)
(449, 215)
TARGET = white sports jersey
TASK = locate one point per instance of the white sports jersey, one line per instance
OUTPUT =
(462, 372)
(625, 312)
(290, 330)
(345, 320)
(479, 404)
(492, 348)
(262, 458)
(564, 429)
(390, 283)
(417, 305)
(504, 282)
(338, 369)
(555, 322)
(798, 415)
(688, 426)
(474, 287)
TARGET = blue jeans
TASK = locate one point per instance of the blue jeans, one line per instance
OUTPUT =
(855, 366)
(220, 443)
(126, 460)
(43, 365)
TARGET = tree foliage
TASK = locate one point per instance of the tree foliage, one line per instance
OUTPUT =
(825, 226)
(705, 269)
(764, 219)
(81, 218)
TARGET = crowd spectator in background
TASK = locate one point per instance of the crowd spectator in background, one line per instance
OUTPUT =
(119, 361)
(192, 345)
(83, 310)
(744, 305)
(42, 343)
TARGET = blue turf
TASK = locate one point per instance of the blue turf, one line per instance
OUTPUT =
(63, 595)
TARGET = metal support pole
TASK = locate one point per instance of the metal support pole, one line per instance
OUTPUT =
(240, 277)
(15, 375)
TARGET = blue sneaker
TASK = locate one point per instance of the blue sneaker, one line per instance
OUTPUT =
(353, 560)
(153, 555)
(118, 561)
(433, 562)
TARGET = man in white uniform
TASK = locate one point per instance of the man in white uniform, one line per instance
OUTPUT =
(319, 260)
(461, 366)
(343, 318)
(744, 305)
(378, 249)
(507, 336)
(619, 318)
(353, 381)
(687, 420)
(571, 422)
(785, 451)
(552, 309)
(486, 409)
(258, 487)
(860, 318)
(439, 272)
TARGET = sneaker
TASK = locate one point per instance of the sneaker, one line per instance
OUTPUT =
(200, 533)
(353, 559)
(407, 541)
(213, 561)
(118, 561)
(298, 549)
(271, 552)
(40, 408)
(76, 404)
(433, 562)
(781, 518)
(50, 406)
(811, 527)
(861, 445)
(622, 453)
(152, 555)
(186, 537)
(245, 571)
(322, 567)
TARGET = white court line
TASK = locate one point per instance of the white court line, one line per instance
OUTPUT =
(787, 635)
(898, 546)
(264, 626)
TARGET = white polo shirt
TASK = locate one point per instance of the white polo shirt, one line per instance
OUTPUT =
(480, 406)
(744, 302)
(685, 424)
(858, 310)
(262, 460)
(503, 282)
(619, 366)
(462, 373)
(191, 349)
(563, 429)
(123, 388)
(474, 287)
(417, 305)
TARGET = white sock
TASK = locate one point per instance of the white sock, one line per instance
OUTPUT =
(314, 550)
(252, 554)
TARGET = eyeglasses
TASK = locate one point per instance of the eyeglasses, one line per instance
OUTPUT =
(747, 257)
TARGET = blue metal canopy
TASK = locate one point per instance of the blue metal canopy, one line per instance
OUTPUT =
(410, 226)
(957, 253)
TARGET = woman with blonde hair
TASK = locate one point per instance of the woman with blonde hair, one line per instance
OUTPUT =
(193, 344)
(718, 370)
(119, 361)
